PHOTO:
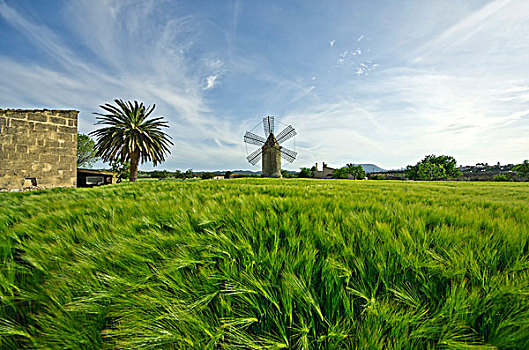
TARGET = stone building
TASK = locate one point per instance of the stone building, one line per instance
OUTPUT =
(38, 148)
(271, 166)
(325, 173)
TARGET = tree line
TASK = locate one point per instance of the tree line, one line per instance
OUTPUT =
(349, 171)
(433, 167)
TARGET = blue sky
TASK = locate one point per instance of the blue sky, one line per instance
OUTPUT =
(382, 82)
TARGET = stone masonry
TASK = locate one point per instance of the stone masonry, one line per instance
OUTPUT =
(38, 148)
(271, 158)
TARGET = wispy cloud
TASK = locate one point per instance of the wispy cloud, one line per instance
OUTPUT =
(236, 7)
(210, 82)
(467, 28)
(43, 38)
(364, 68)
(110, 31)
(405, 113)
(339, 132)
(459, 85)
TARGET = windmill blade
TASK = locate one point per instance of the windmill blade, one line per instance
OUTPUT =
(268, 125)
(255, 156)
(288, 155)
(287, 133)
(254, 139)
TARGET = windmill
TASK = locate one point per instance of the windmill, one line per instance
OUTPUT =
(270, 149)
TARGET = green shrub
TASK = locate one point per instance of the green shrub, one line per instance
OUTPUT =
(502, 177)
(377, 177)
(207, 176)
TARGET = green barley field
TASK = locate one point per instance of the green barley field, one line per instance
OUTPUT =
(266, 264)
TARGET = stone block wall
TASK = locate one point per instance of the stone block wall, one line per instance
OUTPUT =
(271, 166)
(38, 145)
(271, 158)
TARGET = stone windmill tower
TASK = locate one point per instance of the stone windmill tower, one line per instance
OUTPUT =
(270, 149)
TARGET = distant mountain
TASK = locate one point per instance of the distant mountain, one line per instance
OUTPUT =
(246, 172)
(371, 168)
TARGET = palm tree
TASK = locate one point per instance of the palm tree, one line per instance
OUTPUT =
(130, 136)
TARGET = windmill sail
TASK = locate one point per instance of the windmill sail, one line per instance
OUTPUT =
(287, 133)
(255, 156)
(254, 139)
(288, 155)
(268, 125)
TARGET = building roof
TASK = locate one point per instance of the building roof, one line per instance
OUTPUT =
(95, 172)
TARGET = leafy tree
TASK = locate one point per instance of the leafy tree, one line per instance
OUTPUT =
(177, 174)
(160, 174)
(522, 170)
(306, 173)
(449, 164)
(227, 174)
(286, 173)
(86, 151)
(356, 171)
(430, 171)
(188, 174)
(433, 167)
(206, 176)
(122, 169)
(130, 135)
(340, 173)
(411, 171)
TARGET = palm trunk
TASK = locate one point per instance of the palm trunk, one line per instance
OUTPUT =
(134, 160)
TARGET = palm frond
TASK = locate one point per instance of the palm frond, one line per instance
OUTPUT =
(129, 130)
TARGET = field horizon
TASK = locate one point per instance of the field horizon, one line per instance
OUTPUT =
(267, 264)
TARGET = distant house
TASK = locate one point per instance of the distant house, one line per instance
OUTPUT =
(91, 178)
(218, 177)
(325, 173)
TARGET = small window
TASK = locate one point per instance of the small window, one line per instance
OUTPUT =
(95, 180)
